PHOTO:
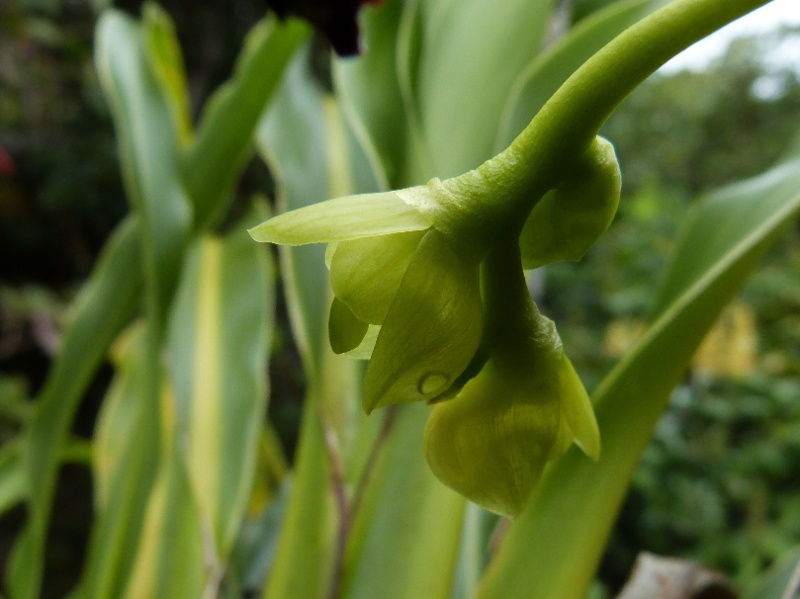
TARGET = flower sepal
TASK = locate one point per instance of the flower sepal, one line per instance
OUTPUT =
(568, 220)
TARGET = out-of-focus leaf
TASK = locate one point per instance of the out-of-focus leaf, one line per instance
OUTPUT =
(370, 95)
(106, 303)
(128, 449)
(220, 332)
(224, 138)
(172, 558)
(547, 71)
(471, 55)
(303, 560)
(553, 548)
(473, 553)
(13, 481)
(271, 470)
(302, 143)
(15, 405)
(148, 138)
(164, 553)
(164, 53)
(403, 504)
(254, 551)
(782, 580)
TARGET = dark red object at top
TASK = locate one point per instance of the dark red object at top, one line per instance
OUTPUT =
(337, 19)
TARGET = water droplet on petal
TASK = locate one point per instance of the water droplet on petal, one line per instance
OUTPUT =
(433, 382)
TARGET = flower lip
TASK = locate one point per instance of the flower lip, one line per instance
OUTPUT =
(491, 439)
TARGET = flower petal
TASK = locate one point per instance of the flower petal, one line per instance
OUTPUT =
(367, 345)
(366, 273)
(345, 331)
(431, 331)
(348, 217)
(577, 410)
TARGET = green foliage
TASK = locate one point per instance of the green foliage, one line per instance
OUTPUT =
(192, 494)
(713, 127)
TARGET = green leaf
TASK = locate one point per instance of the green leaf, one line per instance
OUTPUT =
(137, 558)
(305, 551)
(432, 330)
(165, 59)
(172, 558)
(254, 552)
(781, 580)
(404, 540)
(555, 545)
(13, 479)
(224, 139)
(547, 71)
(464, 47)
(148, 137)
(128, 450)
(474, 550)
(369, 92)
(350, 217)
(220, 332)
(304, 140)
(106, 303)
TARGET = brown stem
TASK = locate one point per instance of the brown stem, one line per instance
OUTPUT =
(369, 467)
(343, 505)
(348, 509)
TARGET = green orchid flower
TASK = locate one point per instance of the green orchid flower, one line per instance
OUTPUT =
(396, 274)
(405, 264)
(526, 406)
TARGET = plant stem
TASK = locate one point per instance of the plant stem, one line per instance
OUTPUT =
(348, 509)
(372, 460)
(342, 504)
(513, 181)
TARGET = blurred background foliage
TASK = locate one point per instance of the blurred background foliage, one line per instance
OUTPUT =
(720, 480)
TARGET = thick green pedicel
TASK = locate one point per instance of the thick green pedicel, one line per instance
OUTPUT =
(567, 221)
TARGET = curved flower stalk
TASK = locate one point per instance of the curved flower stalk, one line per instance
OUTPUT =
(526, 406)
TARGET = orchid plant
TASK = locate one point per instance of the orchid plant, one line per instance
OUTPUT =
(444, 163)
(405, 268)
